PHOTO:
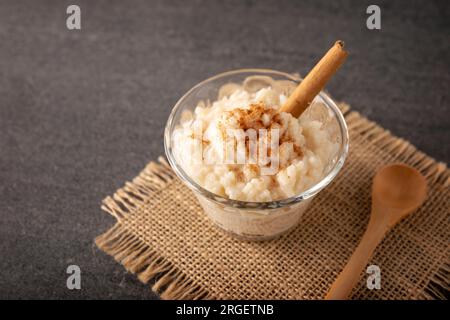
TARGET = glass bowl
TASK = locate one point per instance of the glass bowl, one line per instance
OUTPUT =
(257, 220)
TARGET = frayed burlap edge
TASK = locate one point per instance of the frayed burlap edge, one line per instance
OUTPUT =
(131, 251)
(170, 283)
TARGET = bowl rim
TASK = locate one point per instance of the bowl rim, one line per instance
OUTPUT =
(310, 192)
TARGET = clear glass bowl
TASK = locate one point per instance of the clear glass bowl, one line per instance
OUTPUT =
(257, 220)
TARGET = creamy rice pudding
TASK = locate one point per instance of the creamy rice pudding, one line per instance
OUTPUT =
(254, 169)
(303, 147)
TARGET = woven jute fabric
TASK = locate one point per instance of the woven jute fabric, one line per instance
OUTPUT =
(163, 236)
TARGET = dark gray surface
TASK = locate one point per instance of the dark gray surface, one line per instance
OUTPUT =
(83, 111)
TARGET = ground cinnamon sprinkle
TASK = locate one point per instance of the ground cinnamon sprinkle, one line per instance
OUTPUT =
(205, 142)
(251, 118)
(254, 168)
(238, 171)
(298, 150)
(273, 182)
(258, 116)
(240, 177)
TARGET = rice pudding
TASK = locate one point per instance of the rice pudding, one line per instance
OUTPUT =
(254, 199)
(303, 148)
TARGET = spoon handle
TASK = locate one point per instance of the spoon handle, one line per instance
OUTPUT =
(348, 278)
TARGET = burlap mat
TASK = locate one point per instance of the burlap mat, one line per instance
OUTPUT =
(163, 236)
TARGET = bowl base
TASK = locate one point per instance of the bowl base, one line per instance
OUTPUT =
(251, 237)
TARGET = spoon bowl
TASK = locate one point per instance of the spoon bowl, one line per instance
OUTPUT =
(399, 186)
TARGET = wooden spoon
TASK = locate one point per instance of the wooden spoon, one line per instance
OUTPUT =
(397, 191)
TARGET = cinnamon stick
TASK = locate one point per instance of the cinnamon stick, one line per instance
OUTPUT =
(316, 79)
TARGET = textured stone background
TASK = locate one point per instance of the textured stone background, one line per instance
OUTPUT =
(83, 111)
